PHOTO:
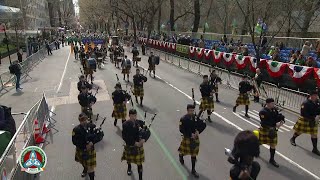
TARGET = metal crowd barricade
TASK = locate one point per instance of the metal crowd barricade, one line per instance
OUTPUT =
(284, 97)
(23, 138)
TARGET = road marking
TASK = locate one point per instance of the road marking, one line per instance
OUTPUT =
(229, 122)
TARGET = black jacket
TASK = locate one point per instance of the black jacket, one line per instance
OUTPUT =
(83, 83)
(138, 80)
(187, 125)
(118, 97)
(309, 110)
(206, 89)
(130, 132)
(85, 99)
(269, 117)
(244, 87)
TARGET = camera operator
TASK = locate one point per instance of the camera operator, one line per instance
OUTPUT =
(246, 147)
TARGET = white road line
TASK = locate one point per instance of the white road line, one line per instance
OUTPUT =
(239, 128)
(243, 119)
(63, 74)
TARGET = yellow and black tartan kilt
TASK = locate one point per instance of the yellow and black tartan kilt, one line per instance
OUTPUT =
(216, 88)
(138, 91)
(206, 104)
(126, 71)
(152, 67)
(119, 111)
(302, 126)
(133, 154)
(91, 162)
(243, 99)
(186, 149)
(264, 137)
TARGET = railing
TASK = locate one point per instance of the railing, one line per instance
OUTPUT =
(8, 80)
(287, 98)
(23, 138)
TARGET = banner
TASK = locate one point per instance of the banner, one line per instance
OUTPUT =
(95, 41)
(182, 49)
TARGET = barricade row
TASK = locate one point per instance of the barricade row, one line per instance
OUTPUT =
(31, 132)
(284, 97)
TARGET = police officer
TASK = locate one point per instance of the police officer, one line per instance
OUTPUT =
(207, 103)
(307, 122)
(138, 81)
(119, 104)
(243, 98)
(133, 150)
(190, 142)
(83, 82)
(214, 80)
(152, 64)
(85, 152)
(86, 100)
(271, 120)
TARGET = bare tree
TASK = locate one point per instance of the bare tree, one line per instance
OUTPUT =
(196, 21)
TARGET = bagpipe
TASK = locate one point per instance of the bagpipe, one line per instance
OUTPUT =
(144, 132)
(125, 92)
(200, 124)
(95, 134)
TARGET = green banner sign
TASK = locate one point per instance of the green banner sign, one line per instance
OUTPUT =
(182, 49)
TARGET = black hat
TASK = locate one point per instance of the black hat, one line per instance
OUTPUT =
(118, 85)
(82, 116)
(269, 100)
(313, 92)
(132, 112)
(190, 106)
(81, 77)
(205, 76)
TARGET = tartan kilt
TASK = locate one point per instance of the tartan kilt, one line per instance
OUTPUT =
(243, 99)
(88, 71)
(152, 67)
(302, 126)
(137, 158)
(126, 71)
(185, 147)
(216, 88)
(138, 91)
(119, 111)
(264, 137)
(206, 104)
(91, 162)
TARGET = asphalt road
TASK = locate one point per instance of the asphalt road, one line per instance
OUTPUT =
(167, 95)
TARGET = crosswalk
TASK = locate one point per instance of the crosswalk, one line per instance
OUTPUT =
(254, 120)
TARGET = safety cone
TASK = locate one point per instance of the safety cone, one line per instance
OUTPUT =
(37, 134)
(45, 129)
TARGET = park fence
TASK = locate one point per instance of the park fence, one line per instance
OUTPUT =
(25, 136)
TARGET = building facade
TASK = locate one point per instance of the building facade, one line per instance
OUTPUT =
(62, 13)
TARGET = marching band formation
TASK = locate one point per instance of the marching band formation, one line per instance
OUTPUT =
(135, 132)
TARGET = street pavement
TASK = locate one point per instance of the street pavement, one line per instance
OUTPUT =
(167, 95)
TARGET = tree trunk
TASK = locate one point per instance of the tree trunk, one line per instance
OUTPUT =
(159, 17)
(246, 20)
(172, 15)
(134, 28)
(225, 24)
(196, 21)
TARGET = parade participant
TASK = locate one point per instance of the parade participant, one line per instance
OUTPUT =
(152, 64)
(207, 103)
(243, 99)
(190, 142)
(245, 149)
(126, 67)
(83, 82)
(138, 81)
(214, 80)
(76, 52)
(119, 105)
(135, 54)
(143, 48)
(271, 120)
(85, 152)
(258, 80)
(307, 122)
(86, 101)
(133, 149)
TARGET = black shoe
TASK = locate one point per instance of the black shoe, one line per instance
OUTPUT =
(234, 109)
(115, 122)
(129, 172)
(274, 163)
(247, 116)
(217, 101)
(181, 160)
(316, 151)
(141, 105)
(209, 119)
(195, 174)
(293, 142)
(84, 174)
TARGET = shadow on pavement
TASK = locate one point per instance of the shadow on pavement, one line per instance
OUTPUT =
(223, 129)
(309, 152)
(18, 93)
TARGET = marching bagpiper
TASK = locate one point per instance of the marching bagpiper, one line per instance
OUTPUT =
(214, 80)
(86, 101)
(83, 82)
(133, 149)
(243, 98)
(271, 120)
(135, 54)
(126, 67)
(85, 152)
(307, 122)
(258, 79)
(152, 64)
(207, 103)
(190, 142)
(138, 81)
(119, 105)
